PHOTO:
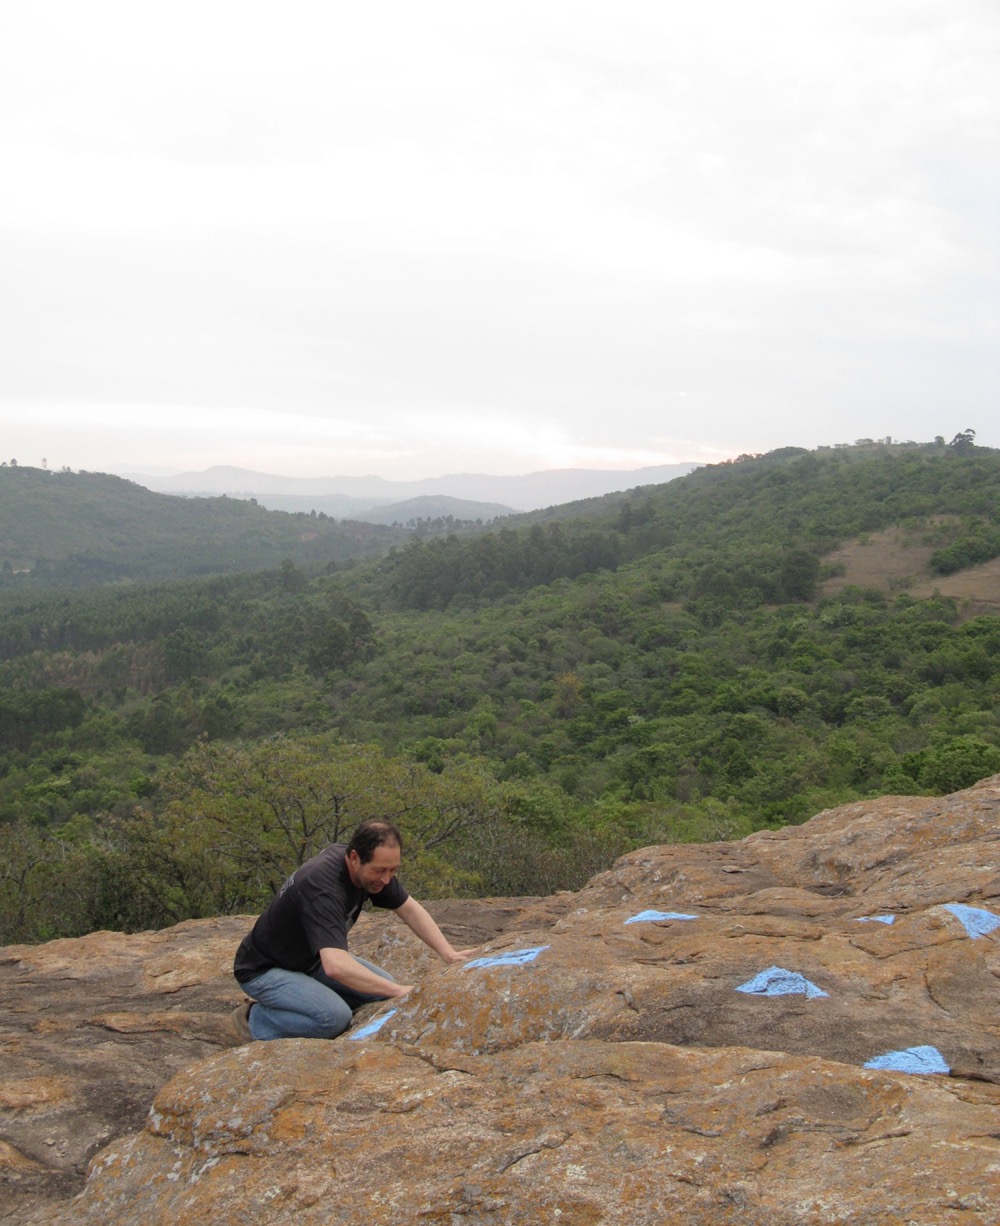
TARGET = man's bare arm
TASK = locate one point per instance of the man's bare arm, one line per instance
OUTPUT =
(340, 965)
(419, 921)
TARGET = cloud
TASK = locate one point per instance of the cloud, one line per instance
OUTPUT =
(544, 221)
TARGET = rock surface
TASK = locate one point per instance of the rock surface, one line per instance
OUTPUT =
(92, 1028)
(685, 1039)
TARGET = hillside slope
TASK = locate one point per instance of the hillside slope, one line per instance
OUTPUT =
(745, 532)
(734, 535)
(83, 528)
(688, 662)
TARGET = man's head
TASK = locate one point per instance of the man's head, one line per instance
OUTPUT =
(373, 855)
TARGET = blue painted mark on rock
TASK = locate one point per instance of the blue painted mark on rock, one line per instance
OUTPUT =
(876, 919)
(922, 1060)
(513, 957)
(776, 981)
(373, 1027)
(651, 916)
(976, 920)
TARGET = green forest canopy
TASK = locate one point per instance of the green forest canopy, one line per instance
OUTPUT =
(529, 701)
(63, 529)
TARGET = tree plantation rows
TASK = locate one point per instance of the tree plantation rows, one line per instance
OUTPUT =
(528, 702)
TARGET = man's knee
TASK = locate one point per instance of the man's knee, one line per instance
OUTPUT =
(337, 1024)
(294, 1007)
(296, 1024)
(330, 1020)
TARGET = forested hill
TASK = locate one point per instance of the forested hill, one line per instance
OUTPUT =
(732, 535)
(749, 531)
(81, 528)
(734, 650)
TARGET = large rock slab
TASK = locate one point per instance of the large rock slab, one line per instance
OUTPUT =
(581, 1132)
(800, 1027)
(815, 901)
(867, 908)
(92, 1028)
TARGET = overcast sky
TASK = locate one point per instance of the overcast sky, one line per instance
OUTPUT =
(412, 238)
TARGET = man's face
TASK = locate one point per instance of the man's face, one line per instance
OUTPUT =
(379, 870)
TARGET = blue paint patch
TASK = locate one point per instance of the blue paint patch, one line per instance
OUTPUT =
(651, 916)
(876, 919)
(373, 1026)
(514, 957)
(976, 921)
(922, 1060)
(776, 981)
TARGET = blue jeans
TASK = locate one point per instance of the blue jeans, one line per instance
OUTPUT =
(293, 1005)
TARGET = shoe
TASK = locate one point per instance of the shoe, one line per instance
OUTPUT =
(241, 1022)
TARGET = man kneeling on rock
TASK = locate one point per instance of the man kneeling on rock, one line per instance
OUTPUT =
(294, 962)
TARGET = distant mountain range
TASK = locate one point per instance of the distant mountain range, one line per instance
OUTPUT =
(372, 498)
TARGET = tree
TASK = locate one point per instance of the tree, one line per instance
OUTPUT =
(957, 763)
(292, 579)
(233, 820)
(44, 885)
(799, 575)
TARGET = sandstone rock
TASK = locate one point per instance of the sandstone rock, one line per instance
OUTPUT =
(628, 1052)
(92, 1028)
(800, 901)
(581, 1132)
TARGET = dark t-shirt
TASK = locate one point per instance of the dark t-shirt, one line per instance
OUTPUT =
(315, 910)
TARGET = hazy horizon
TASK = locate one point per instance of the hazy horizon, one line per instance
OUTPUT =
(156, 471)
(165, 472)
